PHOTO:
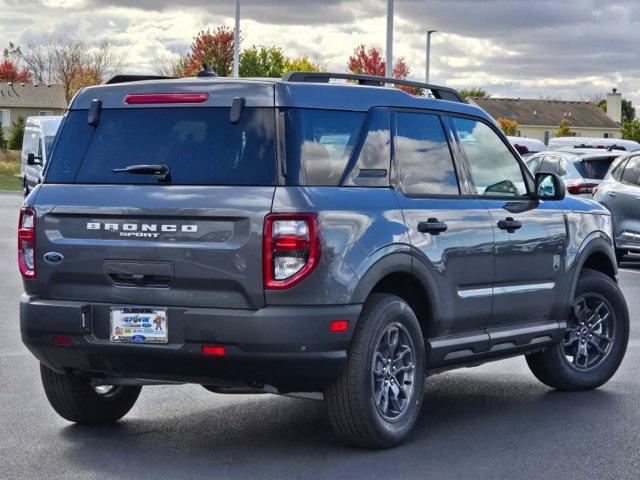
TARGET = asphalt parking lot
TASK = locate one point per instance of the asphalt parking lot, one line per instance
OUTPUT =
(494, 421)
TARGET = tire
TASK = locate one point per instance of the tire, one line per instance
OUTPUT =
(553, 368)
(76, 400)
(351, 398)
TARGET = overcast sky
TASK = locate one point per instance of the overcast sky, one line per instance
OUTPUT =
(568, 49)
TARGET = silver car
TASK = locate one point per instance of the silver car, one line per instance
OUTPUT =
(582, 169)
(620, 193)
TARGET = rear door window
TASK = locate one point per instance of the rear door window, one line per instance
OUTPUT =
(595, 168)
(425, 165)
(549, 164)
(199, 145)
(319, 144)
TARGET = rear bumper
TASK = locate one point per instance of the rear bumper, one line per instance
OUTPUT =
(289, 348)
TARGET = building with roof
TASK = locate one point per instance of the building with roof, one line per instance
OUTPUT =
(539, 119)
(27, 100)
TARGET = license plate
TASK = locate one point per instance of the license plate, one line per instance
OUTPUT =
(139, 325)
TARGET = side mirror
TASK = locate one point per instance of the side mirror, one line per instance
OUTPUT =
(33, 160)
(550, 186)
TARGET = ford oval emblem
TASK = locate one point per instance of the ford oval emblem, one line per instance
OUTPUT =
(53, 258)
(138, 338)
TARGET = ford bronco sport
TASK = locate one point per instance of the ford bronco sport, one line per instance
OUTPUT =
(302, 236)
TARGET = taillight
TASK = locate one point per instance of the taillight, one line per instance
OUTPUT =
(291, 249)
(27, 243)
(581, 188)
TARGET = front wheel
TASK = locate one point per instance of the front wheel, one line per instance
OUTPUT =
(377, 398)
(77, 400)
(595, 341)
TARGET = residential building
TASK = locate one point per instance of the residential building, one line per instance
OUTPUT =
(27, 100)
(539, 119)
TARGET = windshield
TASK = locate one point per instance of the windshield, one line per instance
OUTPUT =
(199, 145)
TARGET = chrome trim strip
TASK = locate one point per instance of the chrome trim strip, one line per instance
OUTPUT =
(485, 292)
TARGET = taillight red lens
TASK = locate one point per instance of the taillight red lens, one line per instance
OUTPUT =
(582, 188)
(291, 249)
(27, 243)
(166, 98)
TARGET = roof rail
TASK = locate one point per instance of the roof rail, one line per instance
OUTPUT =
(441, 93)
(134, 78)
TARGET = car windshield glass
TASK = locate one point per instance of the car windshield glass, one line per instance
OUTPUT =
(595, 168)
(199, 145)
(48, 142)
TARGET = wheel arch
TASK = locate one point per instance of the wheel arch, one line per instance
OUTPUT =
(400, 274)
(599, 255)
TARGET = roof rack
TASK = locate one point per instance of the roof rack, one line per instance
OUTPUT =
(609, 148)
(441, 93)
(134, 78)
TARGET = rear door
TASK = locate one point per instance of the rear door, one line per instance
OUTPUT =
(530, 235)
(192, 239)
(452, 235)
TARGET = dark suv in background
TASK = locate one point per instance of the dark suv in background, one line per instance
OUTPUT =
(303, 237)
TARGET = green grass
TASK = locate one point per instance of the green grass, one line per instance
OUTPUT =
(9, 170)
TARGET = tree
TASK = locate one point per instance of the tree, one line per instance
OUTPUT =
(16, 132)
(509, 127)
(83, 77)
(9, 73)
(61, 60)
(303, 64)
(476, 92)
(370, 62)
(631, 131)
(213, 47)
(267, 62)
(564, 130)
(2, 140)
(628, 110)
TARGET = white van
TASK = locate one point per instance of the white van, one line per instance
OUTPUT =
(527, 146)
(589, 142)
(39, 133)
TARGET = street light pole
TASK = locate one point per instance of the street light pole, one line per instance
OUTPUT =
(429, 33)
(389, 72)
(236, 43)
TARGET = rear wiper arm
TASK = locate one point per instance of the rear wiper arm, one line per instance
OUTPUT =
(159, 172)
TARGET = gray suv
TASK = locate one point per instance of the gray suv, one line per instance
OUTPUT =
(298, 236)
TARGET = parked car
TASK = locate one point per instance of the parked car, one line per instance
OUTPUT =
(620, 193)
(255, 235)
(581, 169)
(527, 146)
(39, 133)
(589, 142)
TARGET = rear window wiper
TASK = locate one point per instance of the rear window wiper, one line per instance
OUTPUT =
(159, 172)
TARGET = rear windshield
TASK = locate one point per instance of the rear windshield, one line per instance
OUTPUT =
(596, 168)
(199, 145)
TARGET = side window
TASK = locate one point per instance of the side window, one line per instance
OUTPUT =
(631, 173)
(494, 169)
(533, 163)
(618, 169)
(319, 144)
(373, 153)
(549, 165)
(424, 160)
(562, 167)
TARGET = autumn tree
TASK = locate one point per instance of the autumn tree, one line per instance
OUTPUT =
(509, 127)
(476, 92)
(303, 64)
(68, 62)
(564, 130)
(213, 47)
(267, 62)
(9, 73)
(370, 61)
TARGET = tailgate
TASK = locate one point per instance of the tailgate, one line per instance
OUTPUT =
(162, 245)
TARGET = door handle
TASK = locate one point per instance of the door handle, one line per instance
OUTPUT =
(432, 226)
(509, 224)
(611, 194)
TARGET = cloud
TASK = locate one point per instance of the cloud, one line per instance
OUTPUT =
(526, 48)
